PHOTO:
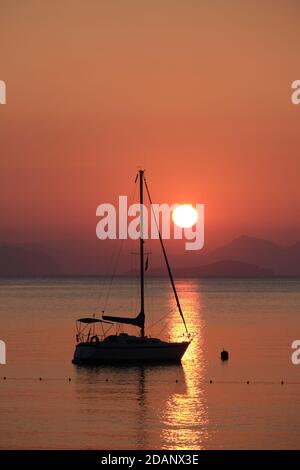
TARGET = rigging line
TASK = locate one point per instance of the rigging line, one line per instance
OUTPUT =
(166, 260)
(148, 284)
(150, 290)
(115, 263)
(134, 286)
(113, 275)
(160, 320)
(164, 327)
(102, 288)
(132, 281)
(134, 265)
(102, 284)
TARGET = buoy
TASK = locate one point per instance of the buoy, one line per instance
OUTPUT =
(210, 381)
(40, 378)
(106, 380)
(282, 382)
(69, 379)
(224, 355)
(4, 378)
(248, 382)
(176, 381)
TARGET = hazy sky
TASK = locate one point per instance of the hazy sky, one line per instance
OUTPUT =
(197, 92)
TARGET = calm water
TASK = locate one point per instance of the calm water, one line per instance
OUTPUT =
(169, 407)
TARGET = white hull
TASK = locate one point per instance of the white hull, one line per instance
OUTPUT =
(141, 350)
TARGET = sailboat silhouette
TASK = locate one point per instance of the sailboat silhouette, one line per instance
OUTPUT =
(124, 348)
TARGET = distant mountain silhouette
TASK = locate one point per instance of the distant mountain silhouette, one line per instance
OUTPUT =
(242, 257)
(262, 253)
(18, 260)
(226, 268)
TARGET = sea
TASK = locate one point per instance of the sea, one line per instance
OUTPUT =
(251, 401)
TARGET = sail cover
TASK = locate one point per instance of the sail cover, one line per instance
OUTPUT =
(89, 320)
(138, 321)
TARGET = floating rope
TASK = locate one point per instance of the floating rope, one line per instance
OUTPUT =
(204, 382)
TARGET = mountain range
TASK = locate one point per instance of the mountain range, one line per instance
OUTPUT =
(26, 261)
(243, 257)
(265, 254)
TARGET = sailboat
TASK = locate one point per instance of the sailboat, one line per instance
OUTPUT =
(123, 348)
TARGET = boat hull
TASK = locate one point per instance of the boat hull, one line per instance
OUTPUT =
(99, 353)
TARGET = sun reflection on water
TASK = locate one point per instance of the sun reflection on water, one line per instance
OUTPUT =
(185, 416)
(147, 407)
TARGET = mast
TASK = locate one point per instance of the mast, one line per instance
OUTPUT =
(142, 313)
(140, 319)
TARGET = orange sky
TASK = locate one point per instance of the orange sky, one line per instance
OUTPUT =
(198, 93)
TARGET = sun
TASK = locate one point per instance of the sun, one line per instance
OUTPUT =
(185, 216)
